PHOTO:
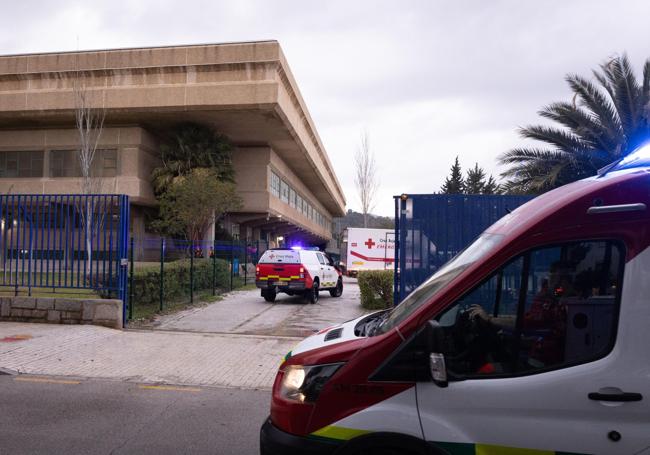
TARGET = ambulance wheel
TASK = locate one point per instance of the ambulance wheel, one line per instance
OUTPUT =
(312, 294)
(269, 295)
(338, 290)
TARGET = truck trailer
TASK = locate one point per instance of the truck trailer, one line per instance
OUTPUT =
(370, 249)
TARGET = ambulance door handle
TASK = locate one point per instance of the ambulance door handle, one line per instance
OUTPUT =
(621, 397)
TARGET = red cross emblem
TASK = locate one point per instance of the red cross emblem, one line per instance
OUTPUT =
(369, 244)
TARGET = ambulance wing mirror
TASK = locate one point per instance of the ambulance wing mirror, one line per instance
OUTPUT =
(437, 367)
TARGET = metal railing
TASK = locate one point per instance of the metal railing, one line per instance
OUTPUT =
(71, 241)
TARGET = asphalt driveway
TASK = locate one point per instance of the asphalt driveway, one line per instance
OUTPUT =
(246, 312)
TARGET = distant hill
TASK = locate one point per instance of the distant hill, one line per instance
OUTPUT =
(355, 219)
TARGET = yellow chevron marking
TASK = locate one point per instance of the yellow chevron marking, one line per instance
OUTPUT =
(263, 278)
(340, 433)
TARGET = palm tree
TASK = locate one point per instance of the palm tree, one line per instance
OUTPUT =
(607, 119)
(192, 146)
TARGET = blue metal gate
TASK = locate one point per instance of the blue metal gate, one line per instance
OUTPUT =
(432, 228)
(67, 241)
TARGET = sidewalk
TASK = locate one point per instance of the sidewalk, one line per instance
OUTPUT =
(143, 356)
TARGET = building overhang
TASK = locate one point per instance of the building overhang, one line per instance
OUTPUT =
(244, 90)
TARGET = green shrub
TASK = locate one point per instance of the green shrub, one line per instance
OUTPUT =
(146, 280)
(376, 288)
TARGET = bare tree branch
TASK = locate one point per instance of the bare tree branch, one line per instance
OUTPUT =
(365, 177)
(90, 123)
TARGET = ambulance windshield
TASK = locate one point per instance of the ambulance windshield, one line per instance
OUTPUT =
(439, 280)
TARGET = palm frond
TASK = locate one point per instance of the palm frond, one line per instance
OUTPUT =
(593, 99)
(563, 140)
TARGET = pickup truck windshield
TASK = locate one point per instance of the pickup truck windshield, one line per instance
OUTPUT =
(439, 280)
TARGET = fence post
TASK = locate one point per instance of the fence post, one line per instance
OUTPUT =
(131, 281)
(214, 267)
(232, 260)
(245, 263)
(162, 272)
(192, 272)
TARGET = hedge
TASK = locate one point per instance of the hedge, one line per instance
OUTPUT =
(376, 288)
(146, 280)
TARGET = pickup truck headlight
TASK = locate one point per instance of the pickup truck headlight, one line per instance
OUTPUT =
(305, 383)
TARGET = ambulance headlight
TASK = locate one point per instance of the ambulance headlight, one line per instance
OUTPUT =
(305, 383)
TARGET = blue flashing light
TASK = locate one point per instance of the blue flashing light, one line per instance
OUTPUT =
(638, 158)
(296, 247)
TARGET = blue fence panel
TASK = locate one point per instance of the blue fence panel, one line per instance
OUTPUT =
(71, 241)
(432, 228)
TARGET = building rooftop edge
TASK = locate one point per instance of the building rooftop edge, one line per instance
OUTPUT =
(137, 48)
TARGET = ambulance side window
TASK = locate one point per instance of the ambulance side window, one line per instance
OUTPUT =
(549, 308)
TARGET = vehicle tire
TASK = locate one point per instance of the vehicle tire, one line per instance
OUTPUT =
(338, 290)
(269, 295)
(312, 294)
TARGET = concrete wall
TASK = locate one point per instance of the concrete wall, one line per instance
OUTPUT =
(104, 312)
(136, 157)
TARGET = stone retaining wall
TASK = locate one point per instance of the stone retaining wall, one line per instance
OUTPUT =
(103, 312)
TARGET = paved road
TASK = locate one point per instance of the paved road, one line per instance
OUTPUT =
(102, 417)
(246, 312)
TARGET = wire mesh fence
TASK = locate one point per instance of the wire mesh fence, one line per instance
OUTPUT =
(166, 274)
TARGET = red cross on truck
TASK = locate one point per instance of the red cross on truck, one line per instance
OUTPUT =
(370, 249)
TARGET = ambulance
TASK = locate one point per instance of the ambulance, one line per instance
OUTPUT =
(534, 340)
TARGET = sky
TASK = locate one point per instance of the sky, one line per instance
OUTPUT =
(427, 80)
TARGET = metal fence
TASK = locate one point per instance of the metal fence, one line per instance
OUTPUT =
(194, 267)
(432, 228)
(71, 241)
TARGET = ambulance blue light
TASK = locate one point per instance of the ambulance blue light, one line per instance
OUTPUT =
(296, 247)
(638, 158)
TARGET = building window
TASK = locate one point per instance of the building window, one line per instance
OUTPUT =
(292, 197)
(275, 184)
(65, 163)
(284, 191)
(21, 164)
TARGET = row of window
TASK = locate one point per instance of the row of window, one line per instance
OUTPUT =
(63, 163)
(284, 191)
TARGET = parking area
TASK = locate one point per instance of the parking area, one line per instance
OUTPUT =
(246, 312)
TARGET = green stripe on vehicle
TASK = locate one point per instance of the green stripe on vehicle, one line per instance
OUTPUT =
(339, 433)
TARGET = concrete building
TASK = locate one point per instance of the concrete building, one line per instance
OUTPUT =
(243, 90)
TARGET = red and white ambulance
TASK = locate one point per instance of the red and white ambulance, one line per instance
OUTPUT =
(297, 271)
(533, 340)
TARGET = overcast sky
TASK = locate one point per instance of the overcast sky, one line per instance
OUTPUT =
(428, 80)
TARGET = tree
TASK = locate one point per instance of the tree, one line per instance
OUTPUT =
(90, 123)
(193, 146)
(491, 186)
(365, 177)
(193, 201)
(454, 184)
(475, 180)
(606, 120)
